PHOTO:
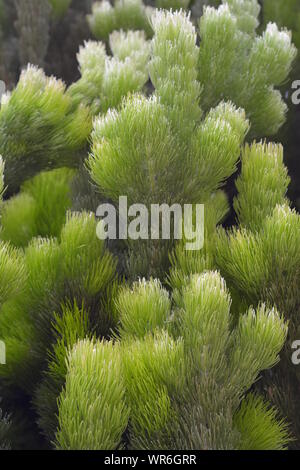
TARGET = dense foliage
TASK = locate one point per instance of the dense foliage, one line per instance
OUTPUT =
(141, 343)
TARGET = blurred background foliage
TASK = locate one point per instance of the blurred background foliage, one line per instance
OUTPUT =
(48, 34)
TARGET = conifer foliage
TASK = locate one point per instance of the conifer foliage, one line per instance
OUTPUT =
(235, 62)
(106, 80)
(39, 128)
(169, 133)
(159, 376)
(125, 15)
(143, 344)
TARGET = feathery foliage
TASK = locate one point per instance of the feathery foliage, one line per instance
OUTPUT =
(246, 68)
(33, 27)
(159, 381)
(259, 259)
(95, 386)
(146, 307)
(285, 14)
(259, 426)
(262, 184)
(39, 129)
(4, 430)
(127, 15)
(72, 325)
(106, 80)
(199, 155)
(222, 361)
(75, 268)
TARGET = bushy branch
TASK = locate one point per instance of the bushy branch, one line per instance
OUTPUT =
(93, 399)
(59, 7)
(77, 268)
(246, 67)
(39, 209)
(124, 15)
(33, 26)
(106, 80)
(159, 382)
(262, 185)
